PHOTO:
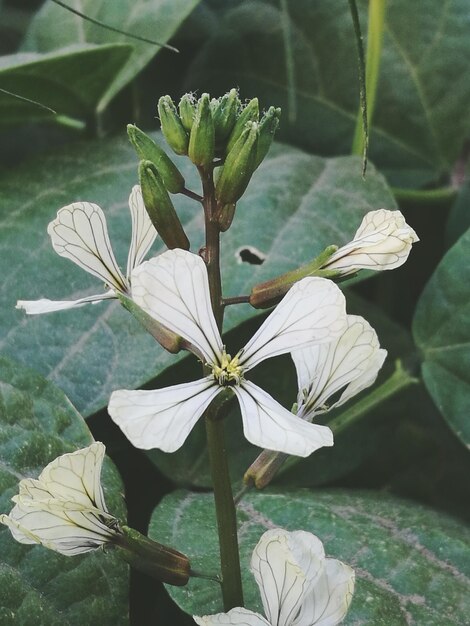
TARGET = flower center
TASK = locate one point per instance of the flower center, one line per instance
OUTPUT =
(228, 373)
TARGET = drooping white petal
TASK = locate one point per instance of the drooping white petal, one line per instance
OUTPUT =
(37, 307)
(162, 418)
(382, 242)
(285, 566)
(235, 617)
(312, 311)
(143, 231)
(79, 233)
(269, 425)
(349, 363)
(174, 289)
(328, 601)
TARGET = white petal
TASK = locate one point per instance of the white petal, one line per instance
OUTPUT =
(285, 566)
(349, 364)
(382, 242)
(312, 311)
(174, 289)
(269, 425)
(37, 307)
(79, 233)
(235, 617)
(162, 418)
(143, 231)
(328, 601)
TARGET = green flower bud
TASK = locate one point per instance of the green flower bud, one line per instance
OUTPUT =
(187, 111)
(225, 115)
(249, 114)
(225, 216)
(201, 140)
(267, 128)
(148, 150)
(238, 167)
(160, 208)
(172, 127)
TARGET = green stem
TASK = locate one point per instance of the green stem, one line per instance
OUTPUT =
(425, 196)
(375, 29)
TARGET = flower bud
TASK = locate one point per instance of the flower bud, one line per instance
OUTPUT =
(238, 167)
(187, 111)
(267, 128)
(201, 140)
(249, 114)
(225, 115)
(148, 150)
(160, 208)
(225, 216)
(172, 127)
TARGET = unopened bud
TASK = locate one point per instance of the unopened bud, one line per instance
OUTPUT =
(225, 216)
(187, 111)
(249, 114)
(148, 150)
(225, 115)
(201, 140)
(161, 562)
(238, 167)
(172, 128)
(160, 208)
(267, 128)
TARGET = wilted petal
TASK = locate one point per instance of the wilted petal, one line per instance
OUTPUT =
(143, 231)
(36, 307)
(382, 242)
(328, 600)
(174, 289)
(79, 233)
(162, 418)
(312, 311)
(267, 424)
(235, 617)
(349, 364)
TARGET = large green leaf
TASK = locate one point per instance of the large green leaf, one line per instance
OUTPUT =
(411, 563)
(422, 115)
(71, 82)
(53, 28)
(38, 586)
(295, 205)
(442, 331)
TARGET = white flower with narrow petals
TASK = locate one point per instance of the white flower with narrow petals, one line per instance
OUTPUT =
(79, 233)
(382, 242)
(174, 289)
(299, 586)
(64, 509)
(340, 369)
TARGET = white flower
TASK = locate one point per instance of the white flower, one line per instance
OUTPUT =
(299, 586)
(64, 508)
(174, 289)
(79, 233)
(382, 242)
(341, 368)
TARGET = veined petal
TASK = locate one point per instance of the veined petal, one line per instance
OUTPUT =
(269, 425)
(79, 233)
(162, 418)
(37, 307)
(312, 311)
(285, 566)
(143, 231)
(235, 617)
(350, 363)
(174, 289)
(329, 598)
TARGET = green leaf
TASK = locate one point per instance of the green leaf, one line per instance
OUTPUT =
(54, 27)
(295, 205)
(411, 563)
(419, 124)
(441, 329)
(39, 586)
(459, 217)
(71, 81)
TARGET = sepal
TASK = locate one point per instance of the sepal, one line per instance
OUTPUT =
(202, 137)
(172, 127)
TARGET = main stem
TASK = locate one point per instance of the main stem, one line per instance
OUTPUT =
(232, 591)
